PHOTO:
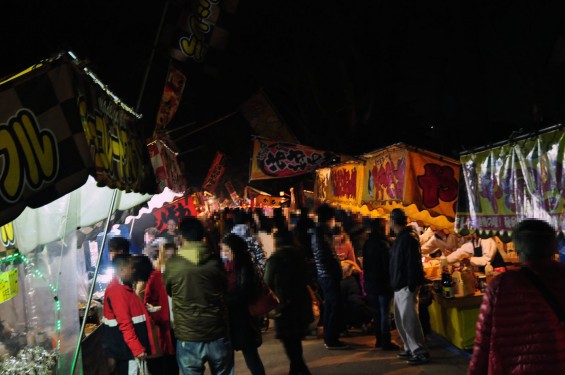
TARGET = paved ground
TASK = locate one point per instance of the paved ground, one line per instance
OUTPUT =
(362, 359)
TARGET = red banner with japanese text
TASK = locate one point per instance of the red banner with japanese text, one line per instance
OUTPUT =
(215, 173)
(166, 166)
(233, 194)
(274, 159)
(170, 100)
(506, 184)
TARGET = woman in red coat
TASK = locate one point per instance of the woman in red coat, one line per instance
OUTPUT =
(518, 332)
(151, 290)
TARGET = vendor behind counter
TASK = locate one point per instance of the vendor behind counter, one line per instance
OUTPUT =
(481, 251)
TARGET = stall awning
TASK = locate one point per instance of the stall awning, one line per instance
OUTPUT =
(58, 125)
(520, 179)
(82, 207)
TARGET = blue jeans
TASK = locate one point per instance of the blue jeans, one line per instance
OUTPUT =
(192, 355)
(381, 307)
(332, 319)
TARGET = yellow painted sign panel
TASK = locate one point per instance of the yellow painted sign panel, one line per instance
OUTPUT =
(8, 285)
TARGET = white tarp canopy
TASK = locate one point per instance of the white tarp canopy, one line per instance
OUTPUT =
(82, 207)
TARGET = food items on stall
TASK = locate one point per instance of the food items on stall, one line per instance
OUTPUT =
(468, 281)
(31, 360)
(432, 269)
(489, 272)
(457, 283)
(93, 315)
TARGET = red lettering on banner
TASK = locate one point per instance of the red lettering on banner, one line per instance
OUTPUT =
(437, 183)
(389, 179)
(176, 211)
(344, 183)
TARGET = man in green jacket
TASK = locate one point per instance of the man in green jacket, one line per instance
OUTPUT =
(197, 283)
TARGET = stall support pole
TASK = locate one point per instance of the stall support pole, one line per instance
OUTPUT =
(91, 292)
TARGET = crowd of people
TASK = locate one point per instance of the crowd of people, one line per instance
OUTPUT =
(185, 302)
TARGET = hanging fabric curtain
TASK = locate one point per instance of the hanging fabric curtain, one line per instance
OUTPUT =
(516, 180)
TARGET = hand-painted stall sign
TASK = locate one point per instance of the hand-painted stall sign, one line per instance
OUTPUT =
(437, 183)
(272, 159)
(8, 285)
(176, 210)
(57, 125)
(7, 235)
(386, 175)
(30, 156)
(402, 175)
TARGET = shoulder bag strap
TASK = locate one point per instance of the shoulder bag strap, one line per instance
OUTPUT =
(545, 293)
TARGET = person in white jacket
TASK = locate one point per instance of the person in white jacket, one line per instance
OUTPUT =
(446, 242)
(481, 251)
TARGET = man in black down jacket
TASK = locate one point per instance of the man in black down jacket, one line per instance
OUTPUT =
(407, 276)
(329, 276)
(376, 274)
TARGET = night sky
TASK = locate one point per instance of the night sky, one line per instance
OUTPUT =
(349, 76)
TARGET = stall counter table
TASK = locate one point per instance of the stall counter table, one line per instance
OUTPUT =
(456, 318)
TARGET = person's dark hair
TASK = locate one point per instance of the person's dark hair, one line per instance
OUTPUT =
(191, 229)
(239, 248)
(121, 260)
(325, 213)
(142, 267)
(152, 231)
(170, 246)
(241, 217)
(118, 243)
(284, 238)
(247, 276)
(265, 224)
(378, 227)
(398, 216)
(534, 239)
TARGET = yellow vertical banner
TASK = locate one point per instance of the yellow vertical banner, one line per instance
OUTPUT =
(346, 183)
(8, 285)
(322, 184)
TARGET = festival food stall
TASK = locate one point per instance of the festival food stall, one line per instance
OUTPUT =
(425, 185)
(422, 183)
(70, 157)
(501, 185)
